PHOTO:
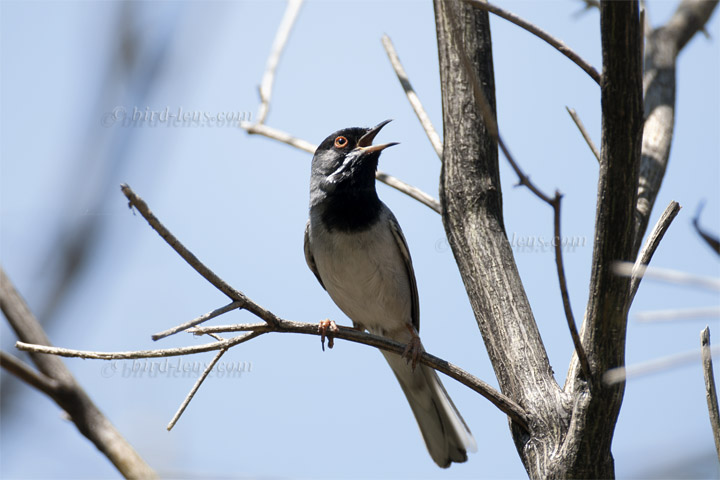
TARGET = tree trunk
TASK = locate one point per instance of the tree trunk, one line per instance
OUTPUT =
(472, 214)
(571, 430)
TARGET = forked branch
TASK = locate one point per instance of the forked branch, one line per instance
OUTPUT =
(266, 86)
(540, 33)
(271, 323)
(55, 380)
(492, 127)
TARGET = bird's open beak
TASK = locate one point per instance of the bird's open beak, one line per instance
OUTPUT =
(365, 142)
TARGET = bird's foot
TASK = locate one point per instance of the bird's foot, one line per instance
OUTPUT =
(414, 348)
(327, 328)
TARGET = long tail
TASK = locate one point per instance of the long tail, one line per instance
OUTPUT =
(446, 436)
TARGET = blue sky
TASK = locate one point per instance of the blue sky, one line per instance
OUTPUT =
(239, 202)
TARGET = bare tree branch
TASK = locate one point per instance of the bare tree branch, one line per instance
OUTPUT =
(588, 5)
(491, 122)
(281, 136)
(273, 324)
(408, 190)
(259, 127)
(201, 379)
(710, 239)
(202, 318)
(388, 180)
(538, 32)
(677, 314)
(503, 403)
(195, 388)
(281, 38)
(412, 96)
(204, 375)
(192, 260)
(662, 48)
(627, 269)
(62, 387)
(134, 354)
(710, 390)
(652, 243)
(584, 132)
(25, 373)
(604, 328)
(620, 374)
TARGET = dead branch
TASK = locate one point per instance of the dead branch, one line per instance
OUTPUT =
(55, 380)
(620, 374)
(272, 323)
(712, 240)
(540, 33)
(583, 131)
(492, 126)
(710, 391)
(412, 97)
(652, 243)
(662, 47)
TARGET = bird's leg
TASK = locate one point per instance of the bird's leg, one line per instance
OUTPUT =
(414, 347)
(327, 328)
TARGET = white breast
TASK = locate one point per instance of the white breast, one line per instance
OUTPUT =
(365, 276)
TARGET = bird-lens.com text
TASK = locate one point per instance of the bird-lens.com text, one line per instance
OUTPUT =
(172, 117)
(172, 368)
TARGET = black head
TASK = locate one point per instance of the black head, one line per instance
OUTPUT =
(342, 184)
(347, 160)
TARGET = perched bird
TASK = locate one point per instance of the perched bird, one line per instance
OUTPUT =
(357, 251)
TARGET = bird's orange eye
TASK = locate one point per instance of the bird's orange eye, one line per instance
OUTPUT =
(341, 142)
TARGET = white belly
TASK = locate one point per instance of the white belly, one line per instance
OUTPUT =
(366, 277)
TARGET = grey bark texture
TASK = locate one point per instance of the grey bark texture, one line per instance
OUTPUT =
(571, 428)
(62, 387)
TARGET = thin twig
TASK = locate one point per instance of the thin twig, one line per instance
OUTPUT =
(194, 389)
(583, 131)
(26, 373)
(577, 342)
(504, 403)
(712, 241)
(537, 31)
(281, 38)
(202, 377)
(130, 355)
(280, 136)
(651, 244)
(388, 180)
(589, 5)
(259, 128)
(619, 374)
(627, 269)
(492, 126)
(191, 259)
(412, 96)
(202, 318)
(710, 390)
(272, 324)
(682, 313)
(409, 190)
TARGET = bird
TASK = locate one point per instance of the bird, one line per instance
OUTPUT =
(355, 247)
